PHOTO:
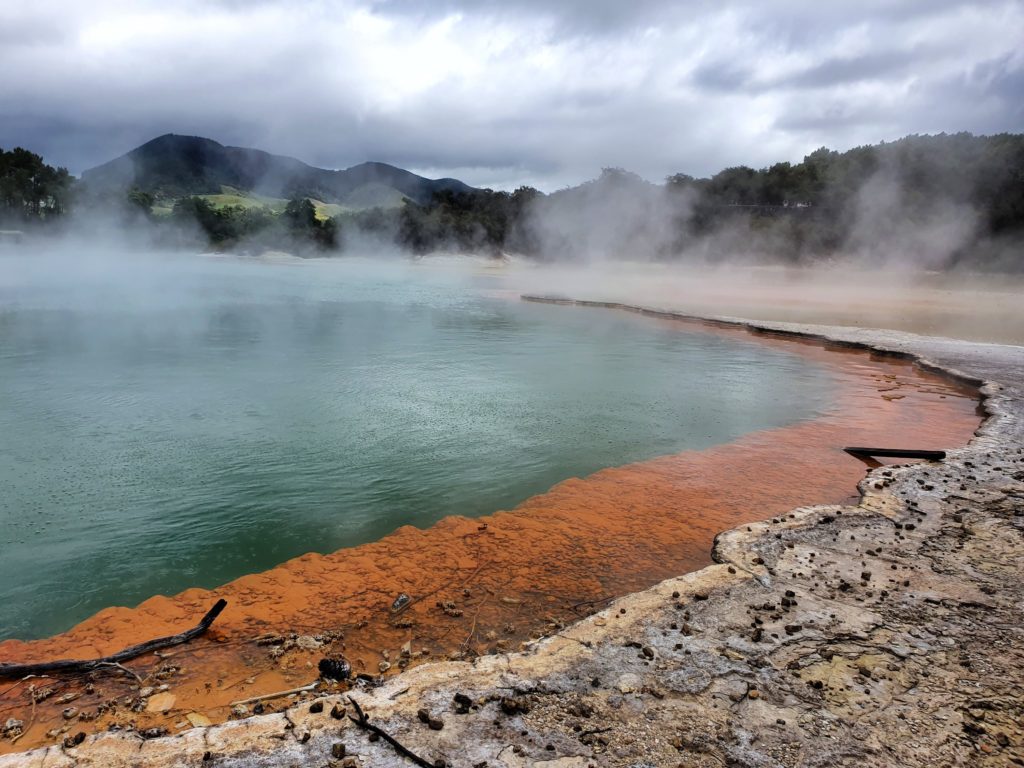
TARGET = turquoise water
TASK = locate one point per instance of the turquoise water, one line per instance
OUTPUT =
(177, 422)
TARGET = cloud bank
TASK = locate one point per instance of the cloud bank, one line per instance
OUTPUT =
(507, 93)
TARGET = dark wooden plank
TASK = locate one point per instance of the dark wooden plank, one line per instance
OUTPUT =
(896, 453)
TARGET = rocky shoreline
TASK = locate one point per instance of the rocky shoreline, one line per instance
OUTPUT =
(887, 633)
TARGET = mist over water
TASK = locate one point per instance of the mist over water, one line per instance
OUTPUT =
(178, 421)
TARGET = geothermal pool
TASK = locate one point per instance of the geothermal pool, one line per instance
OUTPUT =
(182, 421)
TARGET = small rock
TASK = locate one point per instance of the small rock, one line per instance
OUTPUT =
(753, 693)
(400, 602)
(338, 750)
(512, 705)
(338, 712)
(152, 733)
(307, 643)
(435, 723)
(336, 668)
(13, 727)
(70, 713)
(384, 666)
(198, 720)
(162, 702)
(73, 741)
(462, 703)
(239, 710)
(628, 683)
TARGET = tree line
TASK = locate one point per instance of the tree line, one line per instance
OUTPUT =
(30, 190)
(944, 199)
(949, 198)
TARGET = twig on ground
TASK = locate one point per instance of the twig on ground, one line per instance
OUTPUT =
(472, 629)
(115, 665)
(364, 722)
(596, 601)
(23, 680)
(277, 695)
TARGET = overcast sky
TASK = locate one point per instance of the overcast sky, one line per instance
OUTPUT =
(505, 92)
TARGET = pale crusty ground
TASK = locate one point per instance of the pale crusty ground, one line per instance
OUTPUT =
(887, 634)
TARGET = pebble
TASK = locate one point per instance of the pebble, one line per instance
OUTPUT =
(73, 741)
(462, 703)
(198, 720)
(161, 702)
(336, 668)
(307, 643)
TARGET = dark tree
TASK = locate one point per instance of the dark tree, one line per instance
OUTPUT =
(30, 189)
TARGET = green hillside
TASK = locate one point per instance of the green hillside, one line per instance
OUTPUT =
(171, 167)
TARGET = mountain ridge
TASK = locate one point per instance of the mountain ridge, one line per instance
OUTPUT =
(174, 166)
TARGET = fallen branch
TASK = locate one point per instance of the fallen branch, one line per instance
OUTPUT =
(71, 665)
(364, 722)
(122, 667)
(595, 601)
(267, 696)
(472, 630)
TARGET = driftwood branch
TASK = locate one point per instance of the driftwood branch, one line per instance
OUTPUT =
(364, 722)
(89, 665)
(278, 694)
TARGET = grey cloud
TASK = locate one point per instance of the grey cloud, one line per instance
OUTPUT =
(569, 17)
(507, 92)
(841, 70)
(722, 76)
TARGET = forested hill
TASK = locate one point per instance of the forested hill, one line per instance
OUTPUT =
(923, 201)
(172, 167)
